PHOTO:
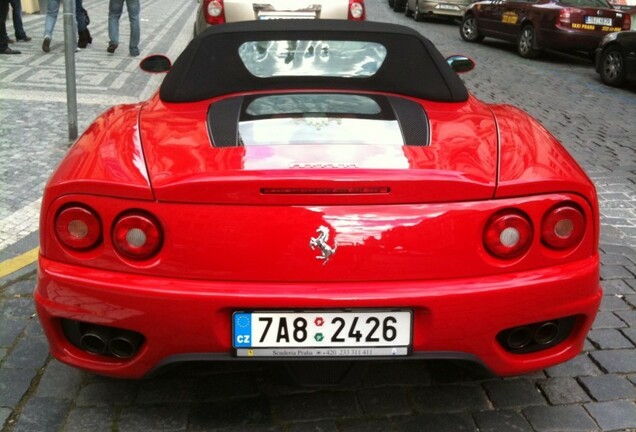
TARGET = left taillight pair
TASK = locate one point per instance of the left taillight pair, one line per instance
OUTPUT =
(214, 11)
(356, 10)
(509, 233)
(135, 234)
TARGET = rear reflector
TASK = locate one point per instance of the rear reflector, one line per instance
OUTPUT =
(326, 191)
(356, 10)
(78, 227)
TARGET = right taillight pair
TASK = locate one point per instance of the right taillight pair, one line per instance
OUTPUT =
(135, 234)
(509, 233)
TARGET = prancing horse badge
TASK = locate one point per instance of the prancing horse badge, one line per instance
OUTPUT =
(320, 242)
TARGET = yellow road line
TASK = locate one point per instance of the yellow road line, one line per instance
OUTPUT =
(14, 264)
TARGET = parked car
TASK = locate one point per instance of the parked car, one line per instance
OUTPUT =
(451, 9)
(562, 25)
(213, 12)
(313, 198)
(616, 58)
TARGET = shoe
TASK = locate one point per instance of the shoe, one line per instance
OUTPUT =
(8, 50)
(84, 38)
(134, 53)
(46, 44)
(111, 47)
(24, 39)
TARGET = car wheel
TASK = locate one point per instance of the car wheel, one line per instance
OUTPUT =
(417, 14)
(407, 11)
(613, 66)
(525, 43)
(468, 29)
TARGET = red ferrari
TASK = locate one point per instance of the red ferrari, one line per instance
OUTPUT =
(316, 189)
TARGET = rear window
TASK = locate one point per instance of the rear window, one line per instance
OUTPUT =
(586, 3)
(320, 118)
(324, 58)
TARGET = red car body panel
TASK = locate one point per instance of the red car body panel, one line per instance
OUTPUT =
(409, 224)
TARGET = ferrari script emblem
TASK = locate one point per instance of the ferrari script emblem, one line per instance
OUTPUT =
(320, 242)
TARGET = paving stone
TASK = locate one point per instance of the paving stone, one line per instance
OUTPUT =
(23, 288)
(607, 320)
(14, 383)
(110, 393)
(630, 333)
(173, 417)
(406, 373)
(510, 394)
(99, 419)
(609, 339)
(609, 387)
(223, 386)
(565, 418)
(631, 300)
(29, 353)
(615, 272)
(578, 366)
(384, 401)
(34, 329)
(60, 381)
(561, 391)
(453, 398)
(436, 423)
(616, 361)
(17, 308)
(4, 415)
(613, 303)
(628, 316)
(238, 413)
(615, 415)
(317, 406)
(313, 426)
(157, 391)
(42, 415)
(617, 286)
(365, 425)
(499, 421)
(10, 330)
(3, 352)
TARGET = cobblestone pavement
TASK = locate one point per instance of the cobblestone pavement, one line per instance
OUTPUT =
(594, 392)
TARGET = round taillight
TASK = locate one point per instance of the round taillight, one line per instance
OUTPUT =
(137, 236)
(78, 227)
(215, 8)
(508, 234)
(563, 227)
(356, 10)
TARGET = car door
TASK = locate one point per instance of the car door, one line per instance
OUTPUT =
(489, 15)
(511, 16)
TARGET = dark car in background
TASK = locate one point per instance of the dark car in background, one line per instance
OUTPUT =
(450, 9)
(616, 58)
(534, 25)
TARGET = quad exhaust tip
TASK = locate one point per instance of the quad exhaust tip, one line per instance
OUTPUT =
(536, 336)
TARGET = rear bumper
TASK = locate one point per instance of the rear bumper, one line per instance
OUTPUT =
(565, 39)
(191, 319)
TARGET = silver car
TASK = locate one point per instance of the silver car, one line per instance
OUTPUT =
(212, 12)
(420, 9)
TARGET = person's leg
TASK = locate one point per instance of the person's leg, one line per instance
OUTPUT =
(20, 34)
(52, 8)
(134, 8)
(79, 16)
(115, 8)
(4, 37)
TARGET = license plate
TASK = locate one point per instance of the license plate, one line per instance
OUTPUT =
(286, 15)
(321, 333)
(447, 6)
(598, 20)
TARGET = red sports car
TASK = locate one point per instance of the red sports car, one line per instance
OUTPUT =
(316, 189)
(534, 25)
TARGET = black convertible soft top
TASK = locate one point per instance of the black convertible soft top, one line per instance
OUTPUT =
(210, 65)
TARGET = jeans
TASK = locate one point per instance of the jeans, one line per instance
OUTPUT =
(17, 19)
(115, 8)
(4, 38)
(53, 7)
(79, 15)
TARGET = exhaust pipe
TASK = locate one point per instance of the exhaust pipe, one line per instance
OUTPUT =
(95, 339)
(519, 337)
(546, 333)
(124, 345)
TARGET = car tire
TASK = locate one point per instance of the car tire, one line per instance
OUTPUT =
(407, 11)
(417, 14)
(612, 63)
(468, 29)
(525, 43)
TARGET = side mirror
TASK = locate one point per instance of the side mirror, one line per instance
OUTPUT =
(156, 64)
(460, 64)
